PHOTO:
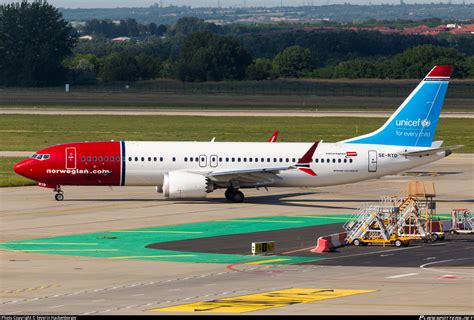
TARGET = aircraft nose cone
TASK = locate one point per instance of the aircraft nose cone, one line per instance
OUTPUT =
(23, 167)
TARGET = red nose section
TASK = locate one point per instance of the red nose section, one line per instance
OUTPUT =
(24, 168)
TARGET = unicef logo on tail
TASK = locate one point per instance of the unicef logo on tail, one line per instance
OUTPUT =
(413, 123)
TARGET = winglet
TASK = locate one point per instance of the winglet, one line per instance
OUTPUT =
(274, 137)
(303, 163)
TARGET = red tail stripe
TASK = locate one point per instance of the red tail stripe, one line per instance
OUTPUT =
(441, 71)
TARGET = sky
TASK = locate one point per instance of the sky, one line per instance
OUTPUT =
(214, 3)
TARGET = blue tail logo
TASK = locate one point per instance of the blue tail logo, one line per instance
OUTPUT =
(414, 123)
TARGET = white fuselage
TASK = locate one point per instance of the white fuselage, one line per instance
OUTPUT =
(146, 163)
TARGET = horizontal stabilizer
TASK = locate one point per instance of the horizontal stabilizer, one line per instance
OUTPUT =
(429, 152)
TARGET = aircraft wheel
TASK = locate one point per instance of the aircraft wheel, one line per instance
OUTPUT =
(237, 197)
(228, 194)
(59, 197)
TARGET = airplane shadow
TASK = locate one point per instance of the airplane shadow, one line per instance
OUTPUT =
(285, 199)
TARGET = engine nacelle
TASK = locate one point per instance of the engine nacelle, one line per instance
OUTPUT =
(181, 184)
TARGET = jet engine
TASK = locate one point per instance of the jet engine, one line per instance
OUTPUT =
(182, 184)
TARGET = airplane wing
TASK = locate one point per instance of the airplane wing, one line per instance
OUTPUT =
(261, 176)
(248, 176)
(429, 152)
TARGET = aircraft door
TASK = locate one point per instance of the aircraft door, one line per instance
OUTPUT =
(213, 161)
(202, 161)
(372, 161)
(71, 158)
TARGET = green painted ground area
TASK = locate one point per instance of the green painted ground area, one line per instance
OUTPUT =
(131, 244)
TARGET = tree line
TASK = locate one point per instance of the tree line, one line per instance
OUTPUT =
(46, 51)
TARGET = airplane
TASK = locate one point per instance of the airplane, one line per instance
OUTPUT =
(182, 170)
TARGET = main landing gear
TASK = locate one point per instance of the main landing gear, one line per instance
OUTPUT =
(59, 196)
(234, 195)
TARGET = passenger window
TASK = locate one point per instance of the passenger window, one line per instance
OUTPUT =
(106, 158)
(345, 160)
(149, 159)
(287, 160)
(293, 160)
(350, 160)
(233, 159)
(328, 160)
(154, 159)
(197, 159)
(339, 160)
(256, 159)
(250, 159)
(83, 159)
(245, 159)
(238, 159)
(174, 159)
(100, 158)
(117, 158)
(129, 158)
(316, 160)
(333, 160)
(161, 159)
(262, 159)
(89, 159)
(226, 159)
(274, 159)
(220, 159)
(136, 158)
(268, 160)
(322, 160)
(95, 159)
(185, 159)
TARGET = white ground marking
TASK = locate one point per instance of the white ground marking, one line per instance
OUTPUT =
(110, 288)
(402, 275)
(424, 266)
(367, 253)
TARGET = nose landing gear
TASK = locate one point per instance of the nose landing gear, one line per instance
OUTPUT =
(59, 196)
(234, 195)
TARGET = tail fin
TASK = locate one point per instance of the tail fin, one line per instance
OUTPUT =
(414, 122)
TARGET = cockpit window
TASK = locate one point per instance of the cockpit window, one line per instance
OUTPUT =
(40, 156)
